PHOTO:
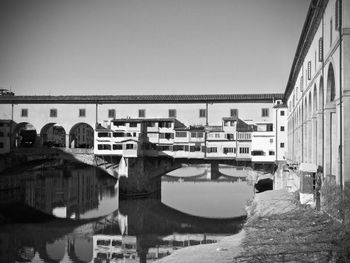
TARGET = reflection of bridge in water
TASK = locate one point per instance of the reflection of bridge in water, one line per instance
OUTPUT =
(205, 173)
(142, 226)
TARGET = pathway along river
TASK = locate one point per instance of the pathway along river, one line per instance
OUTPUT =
(75, 215)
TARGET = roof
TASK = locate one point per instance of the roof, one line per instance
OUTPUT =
(277, 106)
(101, 128)
(177, 123)
(244, 127)
(313, 20)
(229, 118)
(214, 128)
(129, 99)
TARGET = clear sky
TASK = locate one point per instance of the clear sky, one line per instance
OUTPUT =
(63, 47)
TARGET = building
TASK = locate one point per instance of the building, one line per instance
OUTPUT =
(79, 115)
(269, 139)
(234, 139)
(5, 136)
(318, 99)
(318, 93)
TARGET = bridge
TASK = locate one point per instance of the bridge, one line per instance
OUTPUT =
(75, 117)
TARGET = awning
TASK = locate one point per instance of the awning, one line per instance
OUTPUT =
(308, 167)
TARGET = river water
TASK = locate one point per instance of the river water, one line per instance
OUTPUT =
(75, 214)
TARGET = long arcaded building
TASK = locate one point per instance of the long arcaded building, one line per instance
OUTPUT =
(318, 93)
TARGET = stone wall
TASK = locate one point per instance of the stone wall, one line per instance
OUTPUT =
(334, 201)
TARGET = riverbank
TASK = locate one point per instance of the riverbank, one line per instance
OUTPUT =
(278, 229)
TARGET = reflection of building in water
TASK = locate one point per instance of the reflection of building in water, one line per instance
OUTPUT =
(12, 249)
(64, 195)
(118, 248)
(10, 190)
(67, 194)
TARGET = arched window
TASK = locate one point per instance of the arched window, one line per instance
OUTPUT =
(330, 84)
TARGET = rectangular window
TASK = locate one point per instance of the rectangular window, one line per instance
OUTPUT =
(24, 113)
(337, 15)
(1, 145)
(271, 153)
(53, 113)
(265, 112)
(151, 124)
(111, 113)
(282, 128)
(164, 148)
(2, 134)
(229, 136)
(103, 147)
(212, 149)
(269, 127)
(320, 49)
(166, 135)
(301, 83)
(282, 113)
(309, 70)
(129, 146)
(228, 150)
(282, 144)
(234, 113)
(142, 113)
(118, 134)
(330, 32)
(172, 113)
(195, 148)
(243, 149)
(202, 113)
(181, 134)
(164, 124)
(133, 124)
(103, 134)
(82, 112)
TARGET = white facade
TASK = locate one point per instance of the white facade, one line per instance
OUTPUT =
(169, 137)
(318, 92)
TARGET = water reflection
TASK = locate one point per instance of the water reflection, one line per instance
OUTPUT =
(74, 193)
(94, 226)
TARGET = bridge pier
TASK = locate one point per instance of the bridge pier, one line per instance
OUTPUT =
(214, 170)
(140, 176)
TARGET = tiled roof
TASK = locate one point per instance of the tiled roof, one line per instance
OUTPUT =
(93, 99)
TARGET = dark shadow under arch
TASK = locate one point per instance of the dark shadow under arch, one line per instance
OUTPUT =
(53, 134)
(81, 135)
(25, 135)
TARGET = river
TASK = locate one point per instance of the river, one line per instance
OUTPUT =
(76, 215)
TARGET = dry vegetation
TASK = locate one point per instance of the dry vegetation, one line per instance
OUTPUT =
(299, 235)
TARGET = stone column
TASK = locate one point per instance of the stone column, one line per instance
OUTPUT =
(309, 141)
(304, 142)
(319, 135)
(330, 136)
(346, 138)
(67, 140)
(314, 139)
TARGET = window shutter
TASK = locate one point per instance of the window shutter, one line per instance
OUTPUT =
(320, 49)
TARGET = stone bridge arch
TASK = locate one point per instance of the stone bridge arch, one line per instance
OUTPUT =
(81, 135)
(330, 112)
(25, 135)
(53, 134)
